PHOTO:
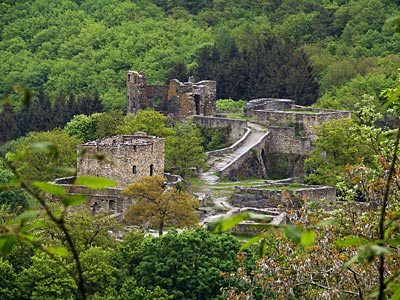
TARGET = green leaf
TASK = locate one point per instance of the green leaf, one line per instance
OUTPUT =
(38, 223)
(61, 251)
(7, 241)
(14, 157)
(380, 250)
(396, 295)
(350, 241)
(328, 222)
(65, 170)
(307, 238)
(14, 181)
(28, 237)
(374, 295)
(293, 233)
(352, 260)
(74, 200)
(95, 182)
(263, 248)
(25, 216)
(50, 188)
(251, 241)
(45, 147)
(393, 242)
(228, 223)
(259, 217)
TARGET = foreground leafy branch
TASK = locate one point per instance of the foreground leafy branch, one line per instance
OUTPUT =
(17, 229)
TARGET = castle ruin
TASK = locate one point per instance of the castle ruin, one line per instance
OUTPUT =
(178, 100)
(278, 147)
(123, 158)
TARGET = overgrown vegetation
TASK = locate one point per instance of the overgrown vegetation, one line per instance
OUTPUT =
(215, 138)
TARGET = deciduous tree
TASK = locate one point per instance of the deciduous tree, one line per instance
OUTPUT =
(158, 205)
(147, 120)
(184, 153)
(188, 264)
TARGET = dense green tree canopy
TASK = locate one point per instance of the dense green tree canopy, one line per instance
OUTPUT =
(48, 155)
(83, 47)
(188, 264)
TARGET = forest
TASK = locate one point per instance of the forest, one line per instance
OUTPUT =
(62, 83)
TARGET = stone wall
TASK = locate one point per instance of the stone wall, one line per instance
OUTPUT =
(262, 197)
(178, 100)
(238, 127)
(157, 94)
(308, 120)
(126, 158)
(250, 162)
(268, 103)
(283, 140)
(136, 92)
(232, 148)
(109, 201)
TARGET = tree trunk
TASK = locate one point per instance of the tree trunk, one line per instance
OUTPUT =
(160, 229)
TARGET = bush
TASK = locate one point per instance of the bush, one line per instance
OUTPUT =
(229, 104)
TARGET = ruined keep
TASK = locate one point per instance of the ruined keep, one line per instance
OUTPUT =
(126, 158)
(178, 100)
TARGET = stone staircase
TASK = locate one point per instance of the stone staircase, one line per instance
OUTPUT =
(221, 160)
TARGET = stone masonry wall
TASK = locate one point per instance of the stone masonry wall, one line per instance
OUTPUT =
(238, 127)
(157, 91)
(109, 201)
(308, 120)
(126, 158)
(283, 140)
(261, 197)
(268, 104)
(178, 100)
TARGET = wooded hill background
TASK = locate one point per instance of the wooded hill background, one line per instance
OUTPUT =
(68, 52)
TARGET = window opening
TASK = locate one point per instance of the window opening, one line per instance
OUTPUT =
(151, 170)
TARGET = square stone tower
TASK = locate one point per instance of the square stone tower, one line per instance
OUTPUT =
(124, 158)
